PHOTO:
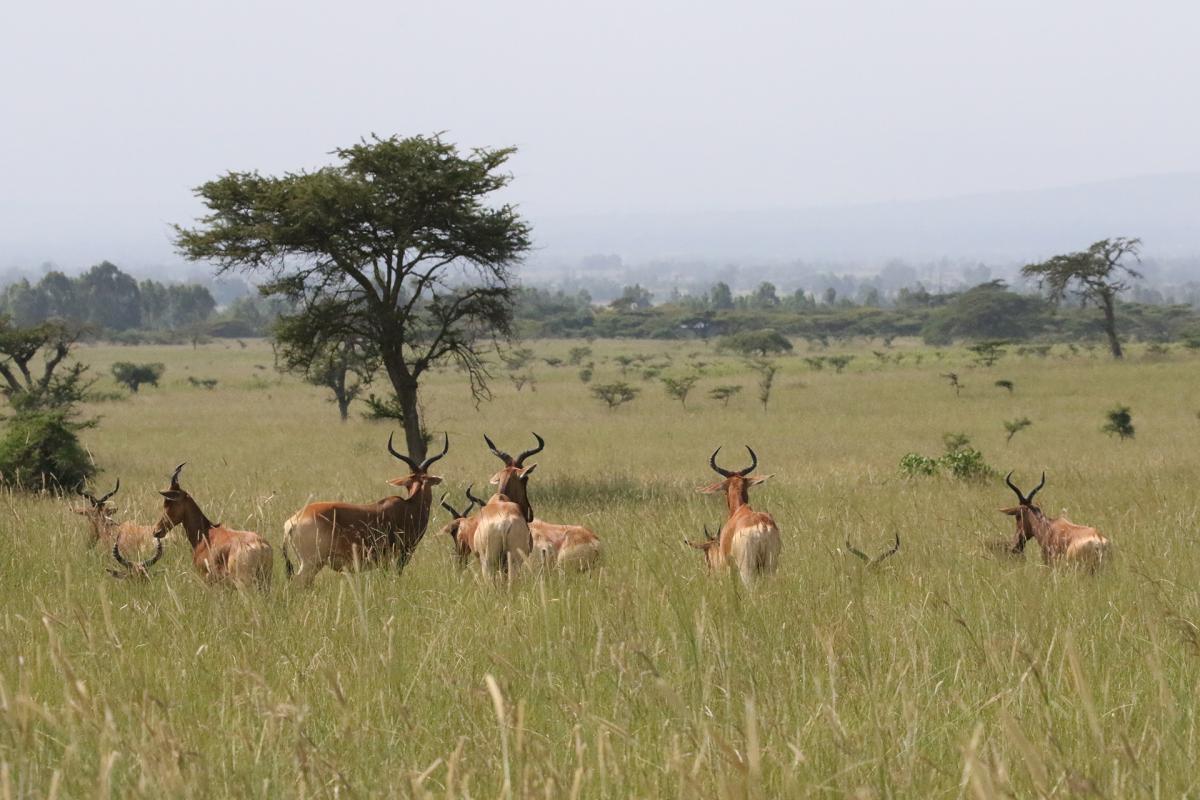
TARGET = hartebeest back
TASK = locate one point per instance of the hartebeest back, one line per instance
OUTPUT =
(1061, 540)
(749, 539)
(220, 554)
(349, 535)
(568, 546)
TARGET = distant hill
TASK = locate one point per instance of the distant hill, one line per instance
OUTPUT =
(1164, 210)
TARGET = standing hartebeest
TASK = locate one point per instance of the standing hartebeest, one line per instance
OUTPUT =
(502, 537)
(749, 539)
(350, 535)
(461, 527)
(1061, 540)
(105, 529)
(138, 570)
(567, 546)
(221, 554)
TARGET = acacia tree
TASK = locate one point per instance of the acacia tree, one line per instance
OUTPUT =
(393, 245)
(1096, 275)
(343, 366)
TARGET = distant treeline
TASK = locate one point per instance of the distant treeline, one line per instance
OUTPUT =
(987, 311)
(114, 304)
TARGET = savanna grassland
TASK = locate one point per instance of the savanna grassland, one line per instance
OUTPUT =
(948, 671)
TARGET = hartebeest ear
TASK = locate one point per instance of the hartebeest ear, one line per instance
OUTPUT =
(1012, 511)
(700, 545)
(499, 476)
(173, 494)
(757, 479)
(714, 488)
(527, 471)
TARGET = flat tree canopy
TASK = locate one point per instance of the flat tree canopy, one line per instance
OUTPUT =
(393, 245)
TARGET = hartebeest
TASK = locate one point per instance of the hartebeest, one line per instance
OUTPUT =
(502, 537)
(749, 540)
(461, 527)
(137, 570)
(105, 529)
(568, 546)
(1062, 541)
(221, 554)
(349, 535)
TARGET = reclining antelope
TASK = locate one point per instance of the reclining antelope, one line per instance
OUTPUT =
(136, 570)
(105, 529)
(749, 540)
(461, 527)
(1062, 541)
(571, 547)
(221, 554)
(351, 535)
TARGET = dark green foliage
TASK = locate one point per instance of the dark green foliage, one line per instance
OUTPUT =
(203, 383)
(614, 394)
(839, 362)
(761, 343)
(133, 376)
(578, 355)
(913, 465)
(585, 374)
(724, 393)
(1014, 426)
(1004, 383)
(40, 451)
(988, 311)
(680, 388)
(392, 245)
(987, 353)
(1120, 423)
(766, 379)
(960, 460)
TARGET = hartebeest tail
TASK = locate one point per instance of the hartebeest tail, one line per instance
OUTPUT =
(749, 540)
(1061, 540)
(220, 554)
(352, 535)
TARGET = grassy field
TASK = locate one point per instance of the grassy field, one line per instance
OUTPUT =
(949, 672)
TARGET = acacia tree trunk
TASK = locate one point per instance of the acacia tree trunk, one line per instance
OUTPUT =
(1110, 327)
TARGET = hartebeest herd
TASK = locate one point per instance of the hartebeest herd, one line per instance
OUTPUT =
(503, 534)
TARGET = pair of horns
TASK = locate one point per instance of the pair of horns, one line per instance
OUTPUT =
(1025, 501)
(872, 562)
(103, 499)
(519, 461)
(427, 463)
(472, 502)
(140, 566)
(727, 473)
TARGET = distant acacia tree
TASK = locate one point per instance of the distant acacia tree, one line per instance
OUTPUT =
(132, 376)
(680, 388)
(614, 394)
(343, 366)
(393, 245)
(1096, 275)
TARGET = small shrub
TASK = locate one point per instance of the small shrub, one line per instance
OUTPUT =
(766, 380)
(553, 362)
(585, 374)
(203, 383)
(680, 388)
(839, 363)
(724, 393)
(577, 355)
(614, 394)
(132, 376)
(518, 359)
(1120, 423)
(40, 451)
(966, 464)
(988, 353)
(762, 343)
(1005, 384)
(913, 465)
(952, 377)
(816, 362)
(1015, 426)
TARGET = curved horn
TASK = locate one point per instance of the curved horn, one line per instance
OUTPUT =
(450, 508)
(500, 454)
(1037, 488)
(1013, 486)
(856, 552)
(475, 500)
(753, 463)
(117, 553)
(414, 466)
(428, 462)
(158, 550)
(86, 495)
(889, 553)
(175, 475)
(104, 499)
(712, 462)
(541, 445)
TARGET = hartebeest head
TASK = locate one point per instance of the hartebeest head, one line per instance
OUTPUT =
(457, 517)
(97, 508)
(419, 480)
(512, 481)
(1028, 516)
(180, 509)
(710, 546)
(135, 569)
(736, 483)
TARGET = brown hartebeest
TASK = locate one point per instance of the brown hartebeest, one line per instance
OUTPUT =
(572, 547)
(1062, 541)
(138, 570)
(351, 535)
(461, 528)
(502, 537)
(749, 539)
(221, 554)
(105, 529)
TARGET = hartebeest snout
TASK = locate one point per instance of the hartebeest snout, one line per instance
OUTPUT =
(1061, 540)
(352, 535)
(220, 554)
(749, 540)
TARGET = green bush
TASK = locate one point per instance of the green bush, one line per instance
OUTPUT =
(132, 376)
(914, 465)
(40, 451)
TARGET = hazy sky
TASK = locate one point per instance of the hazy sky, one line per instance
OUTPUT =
(112, 112)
